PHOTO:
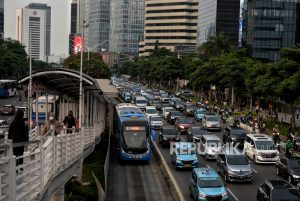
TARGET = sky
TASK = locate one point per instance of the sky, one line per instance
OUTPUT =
(60, 22)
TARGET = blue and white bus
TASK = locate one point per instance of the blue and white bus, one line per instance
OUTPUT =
(8, 88)
(132, 133)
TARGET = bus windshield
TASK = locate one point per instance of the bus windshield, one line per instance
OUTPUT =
(135, 137)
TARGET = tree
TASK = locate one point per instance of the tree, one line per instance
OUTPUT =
(94, 67)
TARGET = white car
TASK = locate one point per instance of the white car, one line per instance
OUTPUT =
(156, 122)
(151, 111)
(210, 146)
(261, 148)
(166, 111)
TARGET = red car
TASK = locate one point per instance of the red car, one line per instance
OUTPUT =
(7, 109)
(183, 124)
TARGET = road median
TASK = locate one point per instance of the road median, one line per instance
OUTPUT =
(176, 192)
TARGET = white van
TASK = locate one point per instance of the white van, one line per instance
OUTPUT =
(261, 148)
(141, 102)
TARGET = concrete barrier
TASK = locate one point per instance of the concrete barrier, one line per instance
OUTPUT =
(176, 192)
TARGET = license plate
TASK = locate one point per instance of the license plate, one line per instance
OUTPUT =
(241, 177)
(187, 165)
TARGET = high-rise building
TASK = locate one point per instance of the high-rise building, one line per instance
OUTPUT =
(216, 16)
(270, 25)
(1, 18)
(97, 14)
(33, 29)
(73, 28)
(126, 26)
(172, 23)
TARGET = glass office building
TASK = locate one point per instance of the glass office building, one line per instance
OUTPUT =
(126, 25)
(1, 18)
(270, 25)
(216, 16)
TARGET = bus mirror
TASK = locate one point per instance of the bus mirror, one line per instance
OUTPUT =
(153, 135)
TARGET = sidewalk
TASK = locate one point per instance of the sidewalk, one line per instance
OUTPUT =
(282, 117)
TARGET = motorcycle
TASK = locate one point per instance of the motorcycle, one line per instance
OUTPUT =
(276, 140)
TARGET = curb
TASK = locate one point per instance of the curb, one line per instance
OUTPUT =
(177, 194)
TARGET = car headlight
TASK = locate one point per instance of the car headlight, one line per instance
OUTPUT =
(230, 172)
(182, 127)
(164, 138)
(224, 194)
(172, 117)
(259, 154)
(202, 195)
(295, 176)
(233, 138)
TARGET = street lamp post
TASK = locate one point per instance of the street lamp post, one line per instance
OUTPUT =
(30, 86)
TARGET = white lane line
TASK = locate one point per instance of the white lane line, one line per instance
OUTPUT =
(254, 170)
(232, 194)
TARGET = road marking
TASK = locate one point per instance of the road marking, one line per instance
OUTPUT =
(232, 194)
(254, 170)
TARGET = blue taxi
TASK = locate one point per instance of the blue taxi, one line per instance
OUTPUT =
(205, 185)
(199, 114)
(184, 155)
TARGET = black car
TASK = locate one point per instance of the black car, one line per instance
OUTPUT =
(234, 134)
(168, 134)
(179, 105)
(277, 189)
(173, 115)
(189, 109)
(289, 168)
(195, 132)
(157, 104)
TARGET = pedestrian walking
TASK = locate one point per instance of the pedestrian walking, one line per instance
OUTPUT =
(69, 121)
(18, 133)
(52, 121)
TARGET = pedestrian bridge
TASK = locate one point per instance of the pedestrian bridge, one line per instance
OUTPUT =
(49, 161)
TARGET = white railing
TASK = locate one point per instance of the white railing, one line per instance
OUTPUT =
(43, 160)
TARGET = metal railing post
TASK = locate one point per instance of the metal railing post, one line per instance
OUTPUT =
(12, 179)
(42, 164)
(53, 148)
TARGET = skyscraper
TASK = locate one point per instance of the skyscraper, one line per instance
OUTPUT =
(216, 16)
(33, 29)
(73, 28)
(126, 25)
(270, 25)
(172, 23)
(1, 18)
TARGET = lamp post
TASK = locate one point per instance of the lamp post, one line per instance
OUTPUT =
(30, 86)
(84, 25)
(91, 48)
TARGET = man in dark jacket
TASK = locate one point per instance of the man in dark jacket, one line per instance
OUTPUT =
(69, 121)
(18, 133)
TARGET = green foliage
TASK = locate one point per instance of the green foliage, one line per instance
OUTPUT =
(94, 66)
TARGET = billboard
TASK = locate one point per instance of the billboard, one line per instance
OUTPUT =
(78, 41)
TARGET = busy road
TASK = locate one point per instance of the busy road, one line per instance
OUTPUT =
(237, 191)
(9, 101)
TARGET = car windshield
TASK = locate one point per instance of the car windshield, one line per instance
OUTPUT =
(176, 113)
(179, 102)
(156, 119)
(185, 151)
(210, 182)
(214, 143)
(237, 160)
(170, 131)
(156, 102)
(294, 164)
(151, 111)
(141, 101)
(285, 194)
(185, 121)
(199, 131)
(135, 137)
(168, 109)
(191, 107)
(212, 119)
(200, 112)
(265, 145)
(237, 132)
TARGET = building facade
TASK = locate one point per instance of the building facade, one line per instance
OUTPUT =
(73, 28)
(1, 18)
(126, 26)
(33, 30)
(216, 16)
(172, 23)
(270, 25)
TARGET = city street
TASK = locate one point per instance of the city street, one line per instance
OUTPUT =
(11, 100)
(237, 191)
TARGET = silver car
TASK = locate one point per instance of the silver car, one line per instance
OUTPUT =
(234, 167)
(210, 146)
(211, 122)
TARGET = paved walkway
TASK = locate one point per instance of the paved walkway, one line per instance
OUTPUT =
(283, 117)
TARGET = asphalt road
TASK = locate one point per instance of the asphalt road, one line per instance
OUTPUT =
(135, 181)
(237, 191)
(11, 100)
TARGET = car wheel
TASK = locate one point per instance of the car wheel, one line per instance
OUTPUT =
(290, 180)
(277, 171)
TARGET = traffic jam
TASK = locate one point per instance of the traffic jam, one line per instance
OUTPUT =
(210, 155)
